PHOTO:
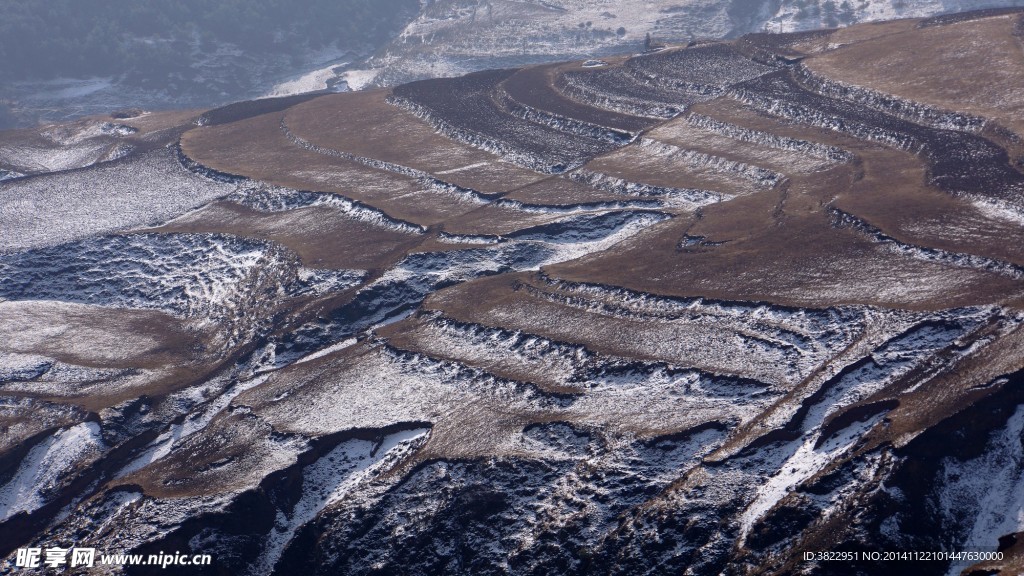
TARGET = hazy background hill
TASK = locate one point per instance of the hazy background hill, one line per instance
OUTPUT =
(47, 38)
(451, 37)
(66, 57)
(63, 58)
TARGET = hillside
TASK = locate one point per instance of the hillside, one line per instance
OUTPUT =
(453, 37)
(711, 309)
(63, 60)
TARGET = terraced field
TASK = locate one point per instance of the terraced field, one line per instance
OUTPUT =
(699, 311)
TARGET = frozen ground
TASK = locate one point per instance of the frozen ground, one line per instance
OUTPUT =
(51, 209)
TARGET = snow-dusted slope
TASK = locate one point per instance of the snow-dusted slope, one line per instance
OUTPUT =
(55, 208)
(796, 15)
(451, 37)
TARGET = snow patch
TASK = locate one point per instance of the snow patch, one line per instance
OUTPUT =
(985, 493)
(54, 208)
(329, 480)
(46, 465)
(359, 79)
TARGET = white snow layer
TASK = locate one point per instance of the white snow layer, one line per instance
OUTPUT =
(56, 208)
(328, 481)
(988, 491)
(45, 464)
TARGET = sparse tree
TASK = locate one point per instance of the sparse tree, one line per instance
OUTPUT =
(846, 14)
(829, 13)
